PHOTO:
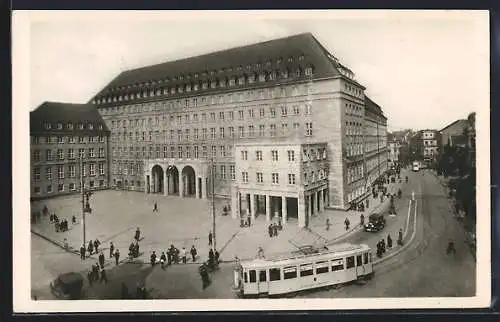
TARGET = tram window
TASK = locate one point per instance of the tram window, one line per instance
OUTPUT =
(253, 276)
(262, 276)
(359, 260)
(306, 269)
(350, 263)
(337, 265)
(246, 277)
(321, 267)
(370, 258)
(365, 257)
(274, 274)
(289, 272)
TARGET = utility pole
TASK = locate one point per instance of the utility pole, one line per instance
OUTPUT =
(378, 146)
(83, 200)
(214, 244)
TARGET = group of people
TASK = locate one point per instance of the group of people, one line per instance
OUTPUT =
(210, 266)
(382, 245)
(274, 227)
(92, 245)
(97, 273)
(173, 256)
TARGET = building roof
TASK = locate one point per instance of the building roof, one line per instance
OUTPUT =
(231, 62)
(371, 106)
(66, 113)
(459, 122)
(459, 140)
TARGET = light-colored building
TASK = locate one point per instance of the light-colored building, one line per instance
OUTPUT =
(375, 143)
(280, 179)
(62, 134)
(430, 144)
(192, 113)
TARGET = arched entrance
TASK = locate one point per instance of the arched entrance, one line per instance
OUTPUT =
(173, 180)
(157, 179)
(189, 181)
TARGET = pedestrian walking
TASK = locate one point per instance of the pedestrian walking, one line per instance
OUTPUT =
(389, 241)
(400, 237)
(193, 253)
(362, 220)
(211, 258)
(382, 245)
(153, 258)
(216, 257)
(275, 229)
(163, 259)
(184, 255)
(104, 278)
(95, 269)
(327, 224)
(73, 220)
(347, 223)
(117, 256)
(101, 260)
(203, 270)
(82, 252)
(90, 248)
(210, 238)
(97, 243)
(137, 234)
(111, 249)
(169, 257)
(155, 207)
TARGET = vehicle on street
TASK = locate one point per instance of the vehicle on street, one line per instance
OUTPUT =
(376, 222)
(339, 264)
(416, 166)
(68, 286)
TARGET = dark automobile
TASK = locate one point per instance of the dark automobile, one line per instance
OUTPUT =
(68, 286)
(376, 222)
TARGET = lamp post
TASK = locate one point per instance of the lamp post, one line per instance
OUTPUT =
(212, 174)
(85, 205)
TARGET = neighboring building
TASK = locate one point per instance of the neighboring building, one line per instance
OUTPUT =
(471, 139)
(394, 149)
(454, 134)
(431, 144)
(284, 179)
(170, 122)
(375, 141)
(61, 134)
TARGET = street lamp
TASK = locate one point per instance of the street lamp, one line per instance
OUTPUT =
(85, 201)
(212, 173)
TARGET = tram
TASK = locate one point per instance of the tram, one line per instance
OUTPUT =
(309, 270)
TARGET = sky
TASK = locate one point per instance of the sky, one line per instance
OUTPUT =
(425, 69)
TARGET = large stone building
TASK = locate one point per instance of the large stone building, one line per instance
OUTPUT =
(454, 134)
(64, 139)
(170, 123)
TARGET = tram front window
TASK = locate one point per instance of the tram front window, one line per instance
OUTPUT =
(321, 267)
(359, 260)
(306, 270)
(337, 265)
(350, 262)
(262, 276)
(274, 274)
(253, 276)
(365, 255)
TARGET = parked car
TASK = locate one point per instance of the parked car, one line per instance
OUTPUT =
(376, 222)
(68, 286)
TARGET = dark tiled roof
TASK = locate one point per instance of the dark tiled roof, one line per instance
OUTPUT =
(232, 62)
(372, 107)
(65, 113)
(463, 122)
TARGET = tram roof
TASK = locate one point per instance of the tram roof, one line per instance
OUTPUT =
(340, 250)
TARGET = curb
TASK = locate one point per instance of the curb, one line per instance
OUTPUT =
(69, 250)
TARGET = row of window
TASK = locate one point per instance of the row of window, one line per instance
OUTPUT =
(308, 269)
(71, 171)
(70, 154)
(71, 187)
(180, 152)
(355, 173)
(212, 116)
(359, 191)
(214, 83)
(64, 139)
(188, 134)
(275, 177)
(71, 126)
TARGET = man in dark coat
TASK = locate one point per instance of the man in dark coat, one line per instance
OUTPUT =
(111, 249)
(101, 260)
(82, 252)
(117, 256)
(389, 241)
(270, 230)
(210, 238)
(96, 245)
(153, 258)
(95, 269)
(137, 234)
(90, 248)
(211, 257)
(193, 253)
(155, 208)
(163, 259)
(347, 223)
(169, 257)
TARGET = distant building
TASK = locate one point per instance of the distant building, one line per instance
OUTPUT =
(471, 138)
(61, 135)
(431, 144)
(394, 146)
(454, 134)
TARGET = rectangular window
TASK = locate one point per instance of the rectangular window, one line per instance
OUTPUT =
(204, 133)
(306, 270)
(291, 178)
(195, 134)
(49, 188)
(221, 132)
(275, 178)
(291, 155)
(262, 128)
(244, 177)
(60, 172)
(308, 129)
(196, 152)
(296, 109)
(101, 169)
(179, 152)
(260, 177)
(262, 276)
(273, 130)
(284, 111)
(223, 172)
(240, 115)
(204, 152)
(359, 260)
(92, 169)
(71, 171)
(48, 173)
(60, 140)
(232, 172)
(274, 274)
(60, 187)
(72, 186)
(244, 155)
(258, 155)
(350, 262)
(241, 131)
(289, 272)
(337, 265)
(253, 276)
(60, 155)
(251, 131)
(321, 267)
(91, 153)
(36, 155)
(262, 112)
(274, 154)
(214, 151)
(212, 133)
(272, 110)
(222, 150)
